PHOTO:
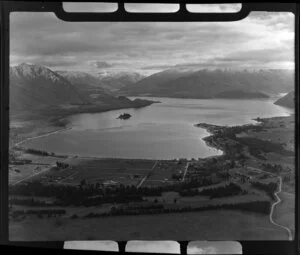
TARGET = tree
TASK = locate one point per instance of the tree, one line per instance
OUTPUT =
(82, 183)
(232, 163)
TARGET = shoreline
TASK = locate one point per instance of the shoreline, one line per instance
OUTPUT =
(207, 127)
(61, 121)
(41, 135)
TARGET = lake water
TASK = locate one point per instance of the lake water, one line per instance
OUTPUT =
(163, 131)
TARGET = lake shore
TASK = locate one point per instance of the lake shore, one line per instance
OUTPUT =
(58, 120)
(225, 138)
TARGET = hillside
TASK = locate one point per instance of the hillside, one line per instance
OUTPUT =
(153, 84)
(82, 79)
(36, 91)
(35, 86)
(211, 83)
(231, 94)
(287, 101)
(86, 83)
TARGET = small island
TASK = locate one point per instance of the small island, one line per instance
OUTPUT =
(124, 116)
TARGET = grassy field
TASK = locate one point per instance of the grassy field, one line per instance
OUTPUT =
(38, 164)
(162, 173)
(128, 172)
(280, 130)
(284, 213)
(210, 225)
(125, 171)
(217, 225)
(25, 171)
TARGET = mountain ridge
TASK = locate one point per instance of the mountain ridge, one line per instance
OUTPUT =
(287, 101)
(209, 83)
(39, 91)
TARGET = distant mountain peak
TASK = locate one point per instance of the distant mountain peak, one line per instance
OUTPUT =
(34, 71)
(209, 83)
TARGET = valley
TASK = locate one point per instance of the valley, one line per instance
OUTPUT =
(158, 163)
(152, 130)
(72, 191)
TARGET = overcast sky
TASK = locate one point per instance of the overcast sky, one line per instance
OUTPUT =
(262, 40)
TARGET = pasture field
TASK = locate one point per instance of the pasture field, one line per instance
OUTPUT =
(127, 172)
(279, 130)
(162, 173)
(20, 172)
(38, 164)
(209, 225)
(37, 159)
(284, 212)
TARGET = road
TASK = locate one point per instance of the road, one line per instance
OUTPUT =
(71, 175)
(43, 135)
(276, 203)
(272, 210)
(30, 176)
(146, 176)
(185, 171)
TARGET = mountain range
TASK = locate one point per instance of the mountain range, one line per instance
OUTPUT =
(35, 86)
(117, 80)
(213, 84)
(38, 90)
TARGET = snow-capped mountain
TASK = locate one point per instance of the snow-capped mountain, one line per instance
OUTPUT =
(85, 82)
(31, 72)
(117, 80)
(37, 86)
(40, 92)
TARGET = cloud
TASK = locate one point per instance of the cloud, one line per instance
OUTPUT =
(261, 40)
(266, 55)
(101, 64)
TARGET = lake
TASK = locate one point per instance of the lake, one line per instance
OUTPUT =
(161, 131)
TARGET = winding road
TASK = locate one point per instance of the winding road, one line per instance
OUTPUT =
(272, 210)
(290, 235)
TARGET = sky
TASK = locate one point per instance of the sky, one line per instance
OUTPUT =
(262, 40)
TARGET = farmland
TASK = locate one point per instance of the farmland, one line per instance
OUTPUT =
(72, 191)
(112, 171)
(193, 226)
